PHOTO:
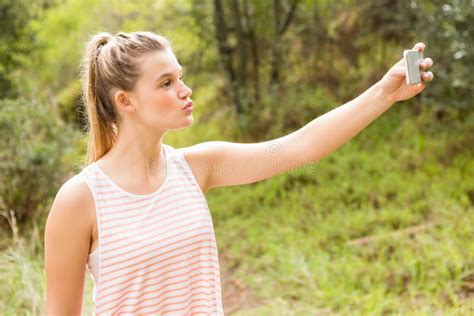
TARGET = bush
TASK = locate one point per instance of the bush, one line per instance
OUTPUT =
(447, 29)
(284, 112)
(32, 157)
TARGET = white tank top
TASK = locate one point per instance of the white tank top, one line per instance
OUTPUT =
(157, 252)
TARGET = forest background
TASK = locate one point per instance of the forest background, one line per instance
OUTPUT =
(382, 226)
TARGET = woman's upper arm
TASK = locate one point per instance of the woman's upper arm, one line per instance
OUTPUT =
(67, 241)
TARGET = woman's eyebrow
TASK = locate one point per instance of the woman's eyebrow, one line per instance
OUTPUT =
(168, 74)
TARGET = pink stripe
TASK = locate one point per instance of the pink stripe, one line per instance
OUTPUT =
(154, 228)
(101, 177)
(123, 295)
(113, 207)
(199, 312)
(159, 276)
(153, 241)
(142, 212)
(151, 221)
(103, 186)
(115, 198)
(131, 201)
(159, 255)
(162, 268)
(192, 307)
(185, 307)
(153, 304)
(211, 260)
(112, 192)
(203, 219)
(150, 251)
(120, 209)
(139, 226)
(150, 201)
(128, 198)
(124, 196)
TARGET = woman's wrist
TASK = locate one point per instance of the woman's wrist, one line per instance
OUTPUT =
(382, 97)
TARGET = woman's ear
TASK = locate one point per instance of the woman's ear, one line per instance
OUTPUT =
(123, 101)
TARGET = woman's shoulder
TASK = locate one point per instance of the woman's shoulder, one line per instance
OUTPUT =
(76, 190)
(74, 201)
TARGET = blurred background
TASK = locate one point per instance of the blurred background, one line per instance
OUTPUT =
(382, 226)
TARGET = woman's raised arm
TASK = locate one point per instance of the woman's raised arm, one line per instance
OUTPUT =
(225, 163)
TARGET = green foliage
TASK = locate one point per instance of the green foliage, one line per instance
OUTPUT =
(447, 28)
(33, 149)
(284, 112)
(288, 238)
(340, 47)
(22, 276)
(16, 38)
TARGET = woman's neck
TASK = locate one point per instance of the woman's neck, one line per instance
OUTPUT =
(138, 155)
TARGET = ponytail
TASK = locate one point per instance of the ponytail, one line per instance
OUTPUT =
(101, 135)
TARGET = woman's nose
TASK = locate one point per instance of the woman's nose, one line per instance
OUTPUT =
(185, 92)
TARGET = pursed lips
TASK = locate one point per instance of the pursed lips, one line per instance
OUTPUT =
(190, 103)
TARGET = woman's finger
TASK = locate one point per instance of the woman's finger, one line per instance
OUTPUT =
(427, 76)
(426, 63)
(419, 46)
(398, 71)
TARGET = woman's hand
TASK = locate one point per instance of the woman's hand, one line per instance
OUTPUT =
(394, 84)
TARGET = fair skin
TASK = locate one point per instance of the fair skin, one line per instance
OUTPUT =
(135, 162)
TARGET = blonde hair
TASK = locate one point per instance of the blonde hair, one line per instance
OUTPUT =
(111, 62)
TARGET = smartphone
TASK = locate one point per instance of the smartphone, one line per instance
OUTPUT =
(413, 58)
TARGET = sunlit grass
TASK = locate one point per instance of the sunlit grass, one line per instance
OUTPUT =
(22, 279)
(408, 191)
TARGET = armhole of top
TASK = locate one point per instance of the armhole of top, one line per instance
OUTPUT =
(90, 185)
(186, 166)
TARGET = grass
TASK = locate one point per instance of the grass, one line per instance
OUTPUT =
(287, 237)
(21, 276)
(290, 239)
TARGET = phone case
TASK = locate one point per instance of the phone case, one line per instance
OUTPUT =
(412, 59)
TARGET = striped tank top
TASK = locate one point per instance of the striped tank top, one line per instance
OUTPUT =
(157, 253)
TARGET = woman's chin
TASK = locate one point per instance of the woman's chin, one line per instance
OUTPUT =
(190, 119)
(187, 122)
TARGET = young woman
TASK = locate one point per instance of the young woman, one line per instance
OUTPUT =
(136, 216)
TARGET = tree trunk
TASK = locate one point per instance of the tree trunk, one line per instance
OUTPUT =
(226, 53)
(241, 61)
(251, 38)
(280, 27)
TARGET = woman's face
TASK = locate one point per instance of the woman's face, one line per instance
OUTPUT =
(160, 94)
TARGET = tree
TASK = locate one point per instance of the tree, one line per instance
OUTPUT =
(244, 38)
(16, 37)
(449, 33)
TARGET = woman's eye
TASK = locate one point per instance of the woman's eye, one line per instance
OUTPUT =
(167, 83)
